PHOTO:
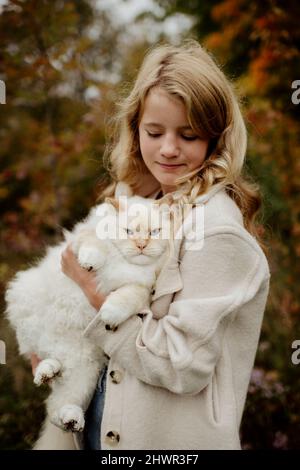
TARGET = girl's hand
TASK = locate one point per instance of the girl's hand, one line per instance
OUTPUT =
(86, 280)
(35, 360)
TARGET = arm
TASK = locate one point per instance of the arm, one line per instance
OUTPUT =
(117, 306)
(35, 360)
(180, 351)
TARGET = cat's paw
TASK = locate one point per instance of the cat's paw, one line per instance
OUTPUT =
(69, 418)
(46, 370)
(112, 316)
(90, 258)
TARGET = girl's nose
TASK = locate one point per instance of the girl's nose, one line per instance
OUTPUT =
(169, 147)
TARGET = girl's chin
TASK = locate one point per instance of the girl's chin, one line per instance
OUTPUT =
(169, 181)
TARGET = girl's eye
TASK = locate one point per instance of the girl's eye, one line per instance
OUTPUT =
(128, 231)
(185, 137)
(189, 137)
(154, 232)
(153, 135)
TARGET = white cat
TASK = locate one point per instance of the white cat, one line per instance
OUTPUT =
(50, 312)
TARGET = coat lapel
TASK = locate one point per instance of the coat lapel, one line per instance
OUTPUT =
(169, 280)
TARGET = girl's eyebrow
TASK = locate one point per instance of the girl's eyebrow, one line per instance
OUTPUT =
(156, 124)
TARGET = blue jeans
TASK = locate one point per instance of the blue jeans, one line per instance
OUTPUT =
(92, 429)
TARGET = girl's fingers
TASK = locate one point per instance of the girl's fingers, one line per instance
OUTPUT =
(35, 360)
(68, 259)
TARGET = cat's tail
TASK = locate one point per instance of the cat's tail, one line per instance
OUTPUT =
(53, 438)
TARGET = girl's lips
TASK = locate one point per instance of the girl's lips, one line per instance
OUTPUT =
(169, 167)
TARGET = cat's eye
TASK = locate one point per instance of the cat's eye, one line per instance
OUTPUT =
(154, 232)
(128, 231)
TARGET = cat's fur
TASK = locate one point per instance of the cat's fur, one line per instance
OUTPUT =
(49, 311)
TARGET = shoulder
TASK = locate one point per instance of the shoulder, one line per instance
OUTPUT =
(216, 225)
(220, 209)
(219, 214)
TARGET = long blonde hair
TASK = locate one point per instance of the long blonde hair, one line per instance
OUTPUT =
(190, 73)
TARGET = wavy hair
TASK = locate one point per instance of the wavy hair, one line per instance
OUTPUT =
(188, 72)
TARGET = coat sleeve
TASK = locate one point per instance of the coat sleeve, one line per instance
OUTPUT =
(180, 350)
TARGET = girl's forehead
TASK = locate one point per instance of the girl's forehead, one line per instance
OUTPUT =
(160, 104)
(159, 92)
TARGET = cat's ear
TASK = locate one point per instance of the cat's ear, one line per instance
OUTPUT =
(67, 234)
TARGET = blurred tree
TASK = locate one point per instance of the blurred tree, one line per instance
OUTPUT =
(249, 36)
(57, 62)
(197, 10)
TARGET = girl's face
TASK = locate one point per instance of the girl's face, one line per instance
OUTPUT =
(168, 145)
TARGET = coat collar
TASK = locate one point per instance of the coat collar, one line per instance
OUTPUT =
(204, 198)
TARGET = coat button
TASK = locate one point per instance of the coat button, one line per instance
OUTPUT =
(153, 292)
(116, 376)
(110, 328)
(112, 438)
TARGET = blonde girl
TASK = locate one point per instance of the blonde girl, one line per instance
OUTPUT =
(178, 372)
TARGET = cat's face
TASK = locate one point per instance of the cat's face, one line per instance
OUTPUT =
(143, 229)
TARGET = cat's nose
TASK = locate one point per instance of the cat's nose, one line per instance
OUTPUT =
(141, 244)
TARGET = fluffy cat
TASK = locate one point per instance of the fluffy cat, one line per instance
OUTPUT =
(49, 312)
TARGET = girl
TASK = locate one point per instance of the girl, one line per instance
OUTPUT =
(178, 373)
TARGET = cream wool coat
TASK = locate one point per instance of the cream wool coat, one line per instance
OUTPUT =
(178, 374)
